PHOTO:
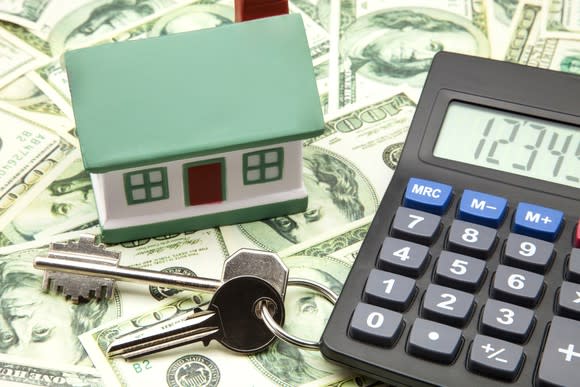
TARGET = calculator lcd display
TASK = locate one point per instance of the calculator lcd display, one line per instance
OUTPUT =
(510, 142)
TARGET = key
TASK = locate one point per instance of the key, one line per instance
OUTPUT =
(231, 319)
(84, 269)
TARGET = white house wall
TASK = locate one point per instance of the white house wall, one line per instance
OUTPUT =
(114, 212)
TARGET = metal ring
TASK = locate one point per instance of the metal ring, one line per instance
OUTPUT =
(279, 332)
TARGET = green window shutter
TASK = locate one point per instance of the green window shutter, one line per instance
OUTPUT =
(146, 185)
(263, 166)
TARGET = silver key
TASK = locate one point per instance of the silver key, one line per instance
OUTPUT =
(231, 319)
(83, 270)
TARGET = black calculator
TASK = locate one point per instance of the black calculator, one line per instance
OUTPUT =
(470, 271)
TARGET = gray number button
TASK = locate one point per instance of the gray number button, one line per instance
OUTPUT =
(375, 325)
(433, 341)
(516, 285)
(495, 358)
(471, 239)
(418, 226)
(507, 321)
(403, 257)
(528, 253)
(446, 305)
(459, 271)
(390, 290)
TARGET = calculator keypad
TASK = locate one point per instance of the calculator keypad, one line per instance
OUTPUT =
(403, 257)
(390, 290)
(518, 286)
(446, 305)
(417, 226)
(471, 239)
(495, 357)
(507, 321)
(375, 325)
(472, 250)
(434, 341)
(528, 253)
(561, 357)
(459, 271)
(568, 304)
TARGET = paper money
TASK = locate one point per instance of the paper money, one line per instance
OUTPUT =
(346, 171)
(49, 324)
(16, 57)
(31, 156)
(67, 204)
(281, 364)
(525, 30)
(385, 44)
(14, 372)
(34, 104)
(500, 15)
(561, 18)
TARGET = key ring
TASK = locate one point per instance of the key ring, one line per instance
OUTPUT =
(279, 332)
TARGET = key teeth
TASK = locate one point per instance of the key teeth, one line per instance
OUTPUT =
(78, 288)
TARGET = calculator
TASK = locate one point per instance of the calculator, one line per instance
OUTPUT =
(470, 271)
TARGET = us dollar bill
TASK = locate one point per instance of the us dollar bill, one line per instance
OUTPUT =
(525, 30)
(43, 327)
(15, 372)
(34, 104)
(67, 204)
(346, 171)
(561, 19)
(500, 15)
(384, 44)
(31, 156)
(556, 54)
(281, 364)
(16, 57)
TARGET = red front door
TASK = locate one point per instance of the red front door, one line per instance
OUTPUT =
(205, 183)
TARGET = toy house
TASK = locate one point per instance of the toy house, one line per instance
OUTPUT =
(197, 129)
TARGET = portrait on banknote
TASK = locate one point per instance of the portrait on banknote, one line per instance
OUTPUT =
(338, 194)
(66, 204)
(396, 46)
(306, 315)
(37, 325)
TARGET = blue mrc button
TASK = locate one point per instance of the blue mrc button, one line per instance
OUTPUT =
(537, 221)
(427, 195)
(482, 208)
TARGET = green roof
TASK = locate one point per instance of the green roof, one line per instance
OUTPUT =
(194, 93)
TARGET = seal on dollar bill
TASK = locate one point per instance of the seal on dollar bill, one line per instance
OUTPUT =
(391, 154)
(193, 370)
(161, 293)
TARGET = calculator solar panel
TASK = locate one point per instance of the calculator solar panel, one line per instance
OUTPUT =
(470, 271)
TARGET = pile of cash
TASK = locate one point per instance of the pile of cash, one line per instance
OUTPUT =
(370, 57)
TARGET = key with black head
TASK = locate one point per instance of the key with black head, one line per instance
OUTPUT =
(232, 318)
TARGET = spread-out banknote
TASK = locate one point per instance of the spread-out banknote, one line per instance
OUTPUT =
(67, 204)
(525, 30)
(500, 15)
(16, 57)
(281, 364)
(561, 18)
(34, 104)
(31, 156)
(384, 44)
(346, 171)
(34, 325)
(14, 372)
